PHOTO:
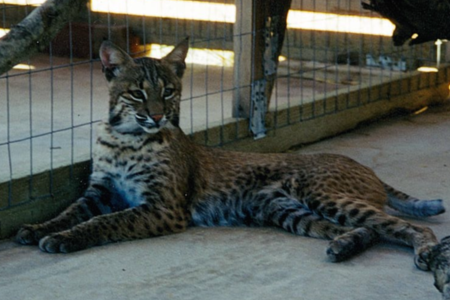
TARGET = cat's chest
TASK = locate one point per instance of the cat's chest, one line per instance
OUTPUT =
(128, 179)
(128, 173)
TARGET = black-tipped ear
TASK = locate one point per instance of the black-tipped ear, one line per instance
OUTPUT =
(113, 59)
(175, 59)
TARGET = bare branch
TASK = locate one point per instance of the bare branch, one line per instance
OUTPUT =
(37, 30)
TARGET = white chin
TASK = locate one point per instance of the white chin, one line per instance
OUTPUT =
(151, 130)
(127, 128)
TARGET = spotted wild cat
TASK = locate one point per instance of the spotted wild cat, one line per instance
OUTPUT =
(150, 179)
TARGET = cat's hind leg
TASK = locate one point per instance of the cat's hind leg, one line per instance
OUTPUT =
(358, 213)
(351, 243)
(278, 208)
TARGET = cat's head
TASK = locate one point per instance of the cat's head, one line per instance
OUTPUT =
(144, 92)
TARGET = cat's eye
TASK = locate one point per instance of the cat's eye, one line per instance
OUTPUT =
(168, 93)
(137, 95)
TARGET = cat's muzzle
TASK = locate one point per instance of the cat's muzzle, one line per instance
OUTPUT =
(150, 122)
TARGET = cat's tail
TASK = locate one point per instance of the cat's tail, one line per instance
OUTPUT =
(412, 206)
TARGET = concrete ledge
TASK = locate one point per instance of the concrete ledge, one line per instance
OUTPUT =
(45, 194)
(41, 196)
(321, 118)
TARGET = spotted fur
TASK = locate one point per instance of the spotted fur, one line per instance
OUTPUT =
(150, 179)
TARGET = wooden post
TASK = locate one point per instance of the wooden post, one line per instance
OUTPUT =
(258, 38)
(243, 53)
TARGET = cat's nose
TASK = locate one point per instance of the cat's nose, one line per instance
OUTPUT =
(156, 118)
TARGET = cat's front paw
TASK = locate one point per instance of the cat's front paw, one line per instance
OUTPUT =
(446, 292)
(63, 242)
(440, 265)
(422, 259)
(29, 234)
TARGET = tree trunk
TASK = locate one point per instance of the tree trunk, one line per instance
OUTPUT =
(37, 30)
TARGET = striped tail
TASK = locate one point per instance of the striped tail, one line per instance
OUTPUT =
(412, 206)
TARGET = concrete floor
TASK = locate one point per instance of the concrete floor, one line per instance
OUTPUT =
(411, 153)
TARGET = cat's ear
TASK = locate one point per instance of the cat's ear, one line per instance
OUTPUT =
(175, 59)
(114, 59)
